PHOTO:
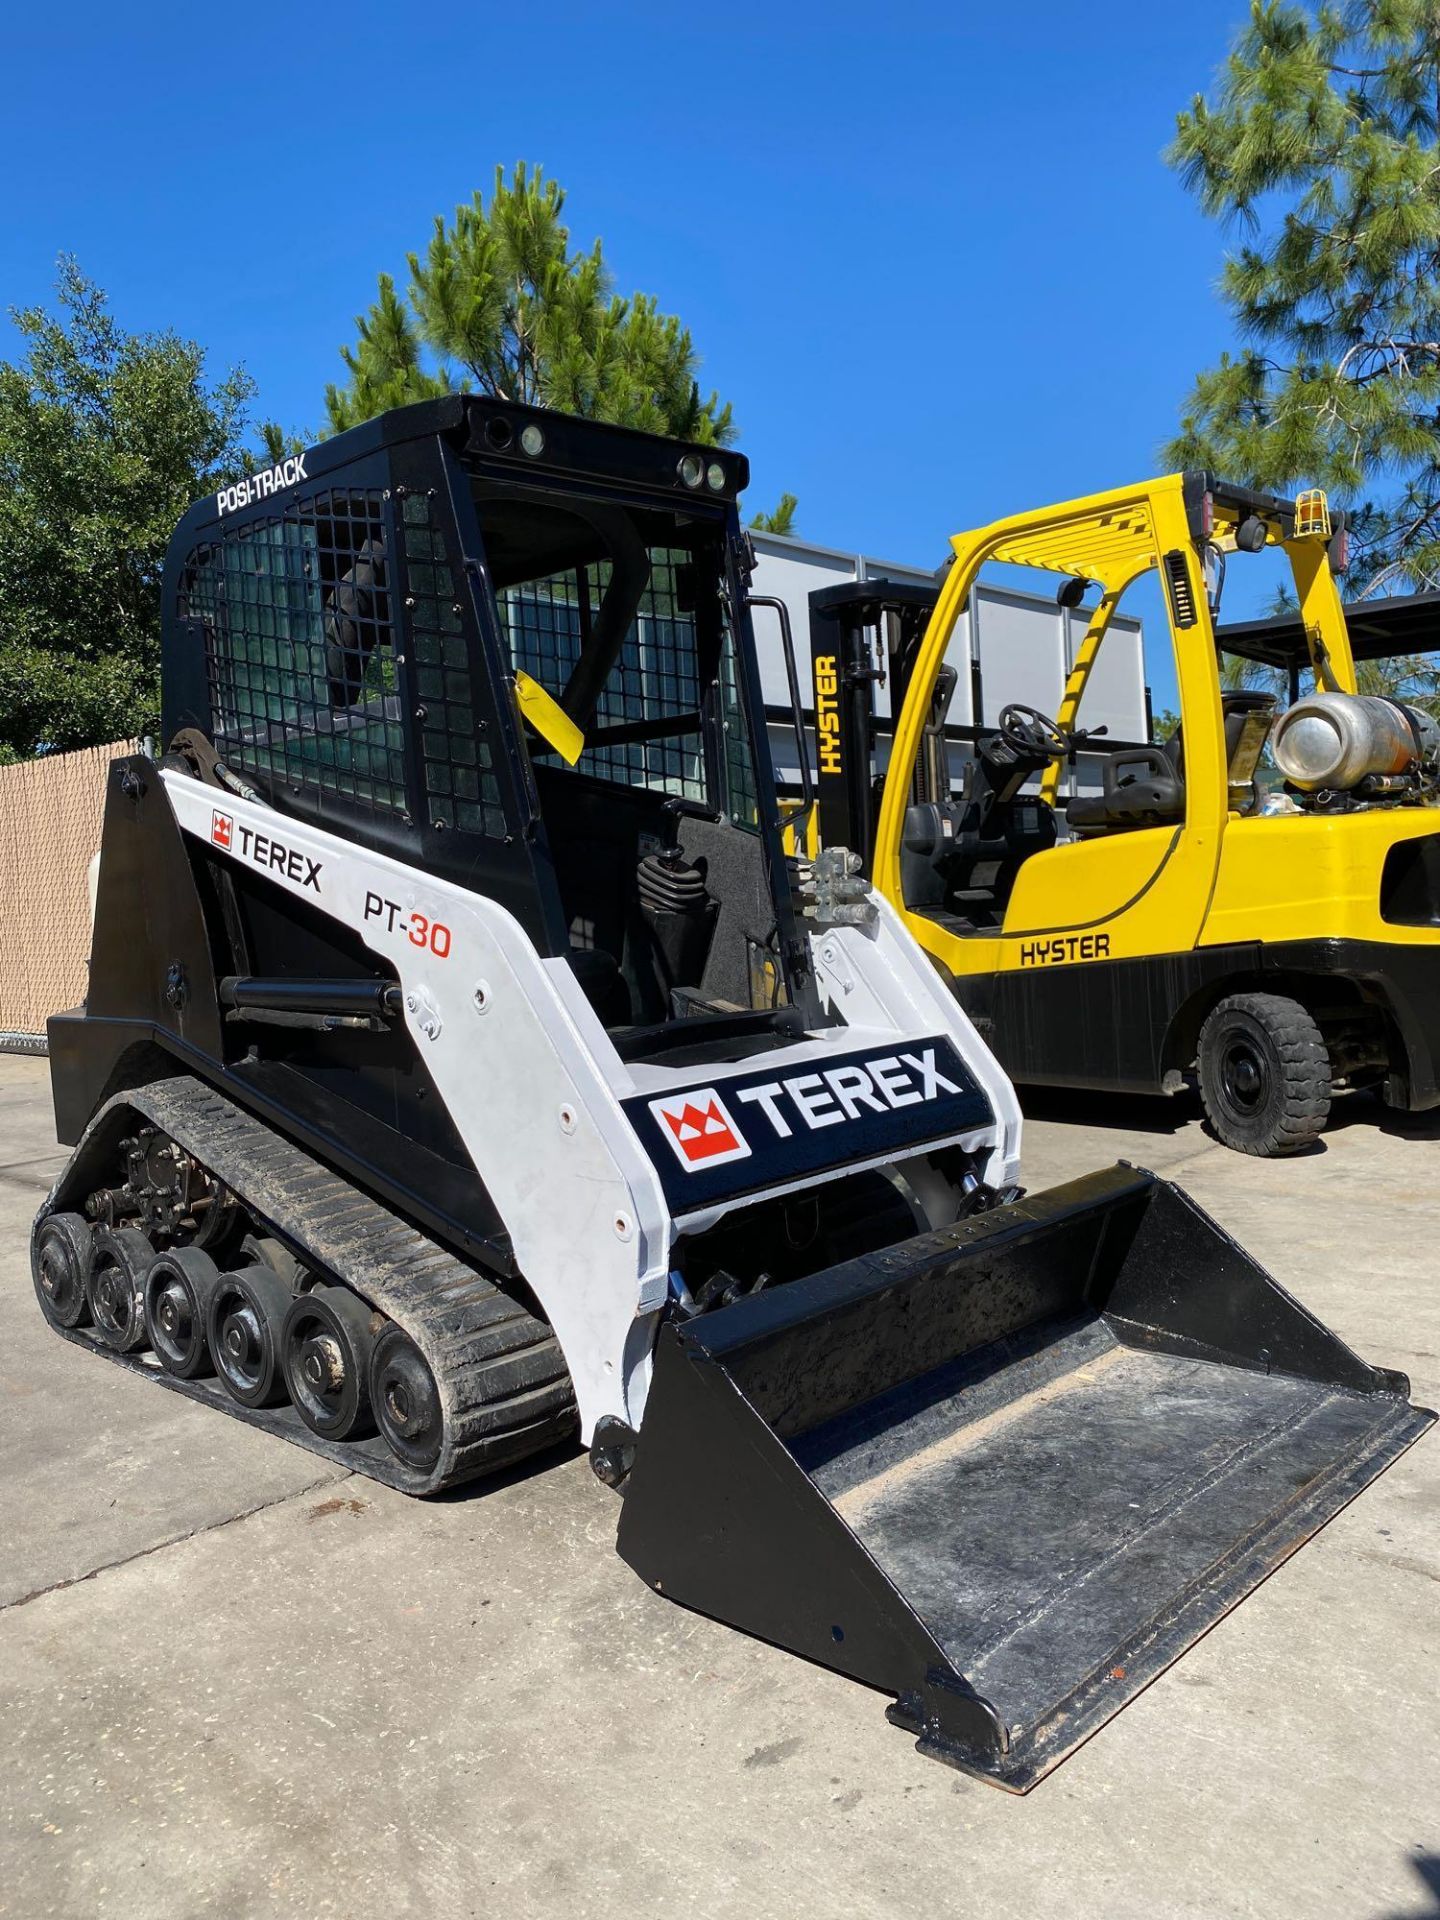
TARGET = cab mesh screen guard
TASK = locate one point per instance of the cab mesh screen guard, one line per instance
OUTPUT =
(1009, 1471)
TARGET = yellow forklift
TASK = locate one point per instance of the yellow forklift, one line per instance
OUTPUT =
(1278, 945)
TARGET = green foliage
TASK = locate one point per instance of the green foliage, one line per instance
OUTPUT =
(1239, 675)
(780, 519)
(502, 305)
(1321, 147)
(1163, 725)
(1413, 677)
(105, 439)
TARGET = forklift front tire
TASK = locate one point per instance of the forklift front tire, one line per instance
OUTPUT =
(1264, 1074)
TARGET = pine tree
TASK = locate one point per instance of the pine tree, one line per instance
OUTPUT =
(502, 305)
(1321, 145)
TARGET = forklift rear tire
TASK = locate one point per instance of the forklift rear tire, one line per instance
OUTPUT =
(1264, 1074)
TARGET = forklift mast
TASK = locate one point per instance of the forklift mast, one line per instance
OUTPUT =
(865, 633)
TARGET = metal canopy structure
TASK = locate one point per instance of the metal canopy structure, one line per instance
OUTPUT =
(1379, 630)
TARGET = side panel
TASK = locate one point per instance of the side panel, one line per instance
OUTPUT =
(1100, 1025)
(1104, 1025)
(150, 951)
(1314, 877)
(1086, 885)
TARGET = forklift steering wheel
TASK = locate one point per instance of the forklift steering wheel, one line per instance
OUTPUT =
(1026, 730)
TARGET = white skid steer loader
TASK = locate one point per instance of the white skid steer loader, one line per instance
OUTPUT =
(464, 1063)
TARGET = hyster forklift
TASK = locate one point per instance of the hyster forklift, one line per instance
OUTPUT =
(465, 1064)
(1180, 922)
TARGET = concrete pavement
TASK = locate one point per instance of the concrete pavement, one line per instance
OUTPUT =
(236, 1681)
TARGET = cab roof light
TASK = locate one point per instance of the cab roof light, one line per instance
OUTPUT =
(1312, 515)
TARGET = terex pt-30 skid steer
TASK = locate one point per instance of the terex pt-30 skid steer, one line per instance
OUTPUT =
(463, 1063)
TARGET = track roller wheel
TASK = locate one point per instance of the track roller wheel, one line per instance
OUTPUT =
(405, 1400)
(61, 1266)
(327, 1346)
(243, 1327)
(115, 1286)
(178, 1291)
(218, 1220)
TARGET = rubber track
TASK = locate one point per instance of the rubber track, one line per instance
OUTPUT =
(502, 1378)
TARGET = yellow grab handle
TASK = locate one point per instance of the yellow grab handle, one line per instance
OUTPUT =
(548, 718)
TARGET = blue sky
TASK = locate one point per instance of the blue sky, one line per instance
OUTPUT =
(930, 253)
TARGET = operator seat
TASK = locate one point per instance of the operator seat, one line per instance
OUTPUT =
(1145, 786)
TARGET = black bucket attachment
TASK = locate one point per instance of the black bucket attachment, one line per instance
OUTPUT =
(1009, 1471)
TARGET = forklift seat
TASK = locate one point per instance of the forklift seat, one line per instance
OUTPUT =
(1145, 786)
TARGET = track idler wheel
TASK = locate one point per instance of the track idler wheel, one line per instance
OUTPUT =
(243, 1328)
(179, 1289)
(61, 1266)
(328, 1343)
(406, 1400)
(115, 1286)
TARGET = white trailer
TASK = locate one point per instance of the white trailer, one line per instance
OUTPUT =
(1007, 646)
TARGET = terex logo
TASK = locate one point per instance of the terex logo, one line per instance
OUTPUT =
(264, 850)
(699, 1128)
(704, 1134)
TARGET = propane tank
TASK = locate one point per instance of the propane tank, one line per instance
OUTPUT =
(1336, 740)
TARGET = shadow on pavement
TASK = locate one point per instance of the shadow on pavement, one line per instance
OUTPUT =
(532, 1467)
(1427, 1866)
(1368, 1110)
(1124, 1112)
(1166, 1115)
